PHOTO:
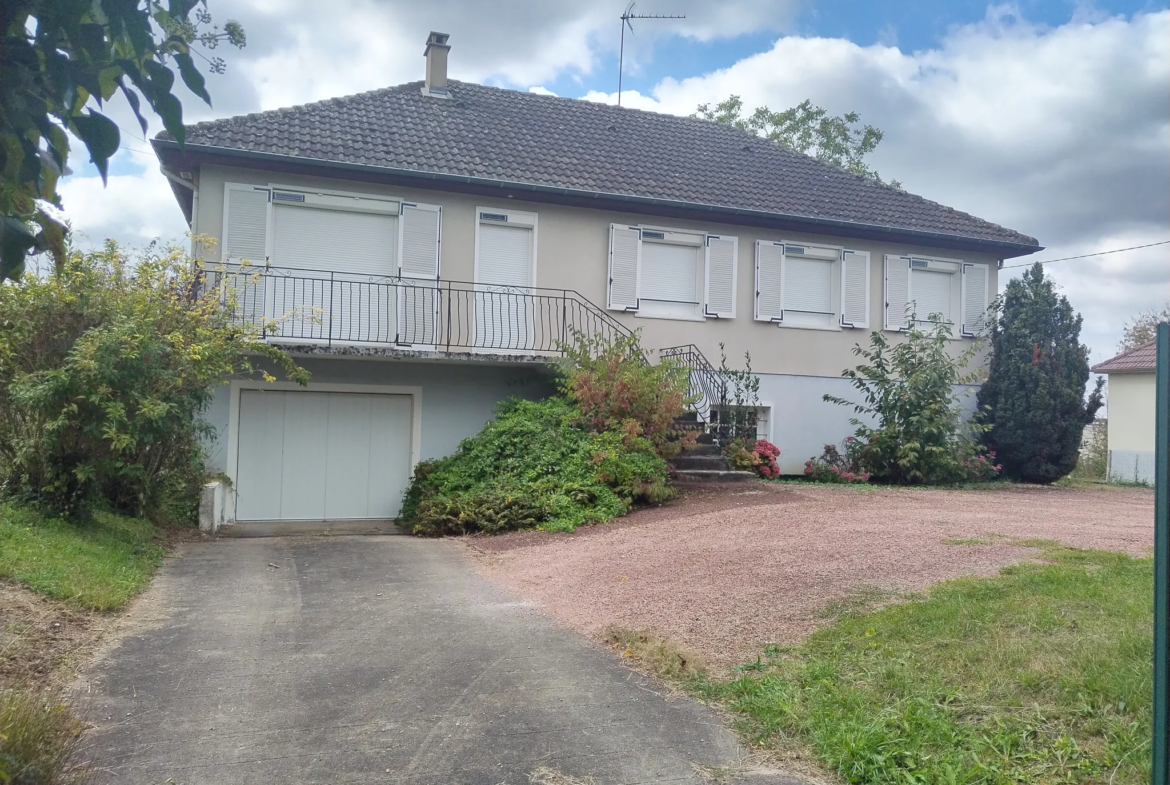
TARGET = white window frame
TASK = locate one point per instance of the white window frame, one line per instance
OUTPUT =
(951, 266)
(831, 320)
(649, 308)
(514, 218)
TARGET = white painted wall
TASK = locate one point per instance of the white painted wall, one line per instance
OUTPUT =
(1131, 426)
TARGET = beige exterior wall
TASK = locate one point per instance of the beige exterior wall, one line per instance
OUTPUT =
(572, 253)
(1131, 412)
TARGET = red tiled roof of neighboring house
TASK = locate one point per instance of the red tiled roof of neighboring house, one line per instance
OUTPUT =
(1134, 360)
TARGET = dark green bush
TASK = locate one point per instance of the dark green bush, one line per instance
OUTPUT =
(105, 369)
(536, 465)
(909, 392)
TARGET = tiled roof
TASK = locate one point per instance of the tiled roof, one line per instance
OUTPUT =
(1141, 358)
(545, 141)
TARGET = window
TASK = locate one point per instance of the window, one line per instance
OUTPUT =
(812, 286)
(671, 274)
(329, 251)
(947, 290)
(505, 268)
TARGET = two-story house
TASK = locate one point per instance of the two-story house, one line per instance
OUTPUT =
(426, 247)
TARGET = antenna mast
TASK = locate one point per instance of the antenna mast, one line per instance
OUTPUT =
(626, 16)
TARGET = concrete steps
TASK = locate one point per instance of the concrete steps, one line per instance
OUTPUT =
(703, 463)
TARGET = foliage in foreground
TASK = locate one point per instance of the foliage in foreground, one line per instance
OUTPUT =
(105, 369)
(1041, 675)
(100, 564)
(837, 464)
(1033, 402)
(911, 429)
(536, 465)
(36, 737)
(59, 62)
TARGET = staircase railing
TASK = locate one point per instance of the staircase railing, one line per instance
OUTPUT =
(330, 307)
(707, 386)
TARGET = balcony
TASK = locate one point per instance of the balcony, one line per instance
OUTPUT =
(331, 311)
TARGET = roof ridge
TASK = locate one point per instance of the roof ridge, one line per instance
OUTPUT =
(1127, 353)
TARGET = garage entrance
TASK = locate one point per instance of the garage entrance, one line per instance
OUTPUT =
(320, 456)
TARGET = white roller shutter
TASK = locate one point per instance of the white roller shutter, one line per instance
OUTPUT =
(670, 272)
(897, 292)
(769, 294)
(310, 238)
(418, 253)
(721, 264)
(245, 219)
(624, 254)
(975, 285)
(505, 255)
(855, 289)
(932, 294)
(808, 285)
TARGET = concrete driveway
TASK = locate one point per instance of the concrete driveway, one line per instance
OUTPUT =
(374, 659)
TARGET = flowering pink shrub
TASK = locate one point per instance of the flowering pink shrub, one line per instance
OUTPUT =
(758, 456)
(837, 465)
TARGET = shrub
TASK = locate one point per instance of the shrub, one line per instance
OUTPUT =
(754, 455)
(733, 416)
(837, 465)
(1034, 399)
(908, 389)
(616, 389)
(105, 369)
(536, 465)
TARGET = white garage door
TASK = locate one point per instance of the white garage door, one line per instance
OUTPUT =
(319, 456)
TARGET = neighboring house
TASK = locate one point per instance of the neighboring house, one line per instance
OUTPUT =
(1131, 413)
(431, 244)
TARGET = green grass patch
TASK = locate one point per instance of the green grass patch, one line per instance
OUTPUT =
(98, 565)
(36, 737)
(1040, 675)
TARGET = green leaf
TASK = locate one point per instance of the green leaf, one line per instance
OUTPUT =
(15, 241)
(171, 112)
(101, 138)
(191, 76)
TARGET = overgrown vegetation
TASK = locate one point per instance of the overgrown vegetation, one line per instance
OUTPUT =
(98, 565)
(105, 369)
(36, 737)
(911, 429)
(1033, 402)
(1040, 675)
(1093, 461)
(583, 456)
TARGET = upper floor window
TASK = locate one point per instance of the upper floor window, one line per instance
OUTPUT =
(672, 274)
(812, 286)
(945, 290)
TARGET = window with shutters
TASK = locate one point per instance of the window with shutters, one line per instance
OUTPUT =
(932, 289)
(334, 262)
(505, 271)
(672, 274)
(811, 286)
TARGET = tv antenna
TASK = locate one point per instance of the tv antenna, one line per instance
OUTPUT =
(626, 16)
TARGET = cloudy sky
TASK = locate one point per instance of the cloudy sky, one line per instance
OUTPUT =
(1047, 116)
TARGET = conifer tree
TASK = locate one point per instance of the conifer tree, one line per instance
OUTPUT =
(1033, 401)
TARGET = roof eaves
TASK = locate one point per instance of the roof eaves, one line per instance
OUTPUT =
(1013, 249)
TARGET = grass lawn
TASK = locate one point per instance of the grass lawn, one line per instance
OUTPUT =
(1040, 675)
(97, 566)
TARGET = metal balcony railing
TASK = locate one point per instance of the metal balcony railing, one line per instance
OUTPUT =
(708, 388)
(328, 307)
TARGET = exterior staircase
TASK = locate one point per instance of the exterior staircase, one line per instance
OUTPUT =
(703, 463)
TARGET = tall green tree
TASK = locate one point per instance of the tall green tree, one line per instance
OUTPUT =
(1033, 401)
(838, 140)
(60, 62)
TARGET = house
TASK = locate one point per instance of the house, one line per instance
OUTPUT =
(428, 246)
(1131, 413)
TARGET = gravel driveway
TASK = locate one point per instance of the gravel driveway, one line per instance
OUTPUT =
(726, 571)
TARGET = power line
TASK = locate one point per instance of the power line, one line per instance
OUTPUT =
(1085, 255)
